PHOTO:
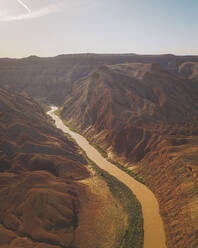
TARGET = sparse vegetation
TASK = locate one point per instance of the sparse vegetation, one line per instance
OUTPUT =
(133, 236)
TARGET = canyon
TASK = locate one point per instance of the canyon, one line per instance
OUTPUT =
(141, 110)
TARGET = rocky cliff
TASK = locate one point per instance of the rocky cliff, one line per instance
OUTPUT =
(144, 115)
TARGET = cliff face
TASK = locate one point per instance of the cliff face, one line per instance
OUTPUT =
(147, 117)
(131, 105)
(39, 174)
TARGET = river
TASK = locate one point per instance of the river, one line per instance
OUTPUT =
(154, 235)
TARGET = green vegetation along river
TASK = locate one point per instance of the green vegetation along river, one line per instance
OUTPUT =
(154, 235)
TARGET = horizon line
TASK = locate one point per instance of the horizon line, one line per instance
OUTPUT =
(101, 53)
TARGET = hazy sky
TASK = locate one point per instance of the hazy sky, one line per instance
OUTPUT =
(52, 27)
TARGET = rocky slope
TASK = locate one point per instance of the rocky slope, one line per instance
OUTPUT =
(44, 184)
(147, 117)
(51, 79)
(129, 105)
(39, 174)
(49, 198)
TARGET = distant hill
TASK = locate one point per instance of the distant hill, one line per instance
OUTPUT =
(51, 79)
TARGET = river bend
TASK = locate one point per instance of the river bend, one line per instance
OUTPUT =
(154, 235)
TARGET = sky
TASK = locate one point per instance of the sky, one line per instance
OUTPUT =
(52, 27)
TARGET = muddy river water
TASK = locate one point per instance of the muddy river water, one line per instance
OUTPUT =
(154, 235)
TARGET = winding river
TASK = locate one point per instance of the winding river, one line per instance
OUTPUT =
(154, 235)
